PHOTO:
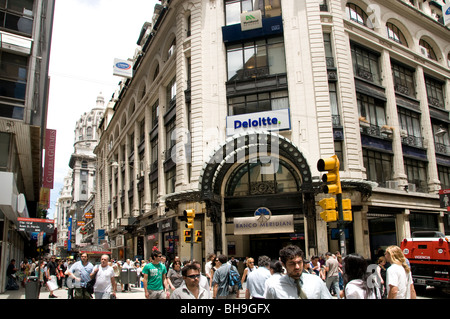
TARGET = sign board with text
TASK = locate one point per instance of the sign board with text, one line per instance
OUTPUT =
(36, 225)
(444, 198)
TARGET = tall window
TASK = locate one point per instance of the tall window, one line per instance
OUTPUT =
(170, 138)
(256, 59)
(427, 50)
(234, 8)
(372, 110)
(13, 84)
(332, 87)
(155, 113)
(171, 91)
(417, 174)
(365, 64)
(403, 80)
(171, 177)
(154, 155)
(17, 16)
(378, 166)
(410, 124)
(435, 92)
(441, 137)
(444, 176)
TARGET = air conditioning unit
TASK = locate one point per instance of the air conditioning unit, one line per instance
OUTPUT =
(403, 133)
(411, 187)
(392, 184)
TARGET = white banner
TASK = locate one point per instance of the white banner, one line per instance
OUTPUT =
(123, 68)
(278, 120)
(272, 225)
(446, 13)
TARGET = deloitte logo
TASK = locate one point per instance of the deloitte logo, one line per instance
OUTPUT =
(278, 120)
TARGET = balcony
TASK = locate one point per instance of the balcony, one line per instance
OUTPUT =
(413, 141)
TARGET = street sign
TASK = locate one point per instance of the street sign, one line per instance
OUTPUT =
(444, 198)
(36, 225)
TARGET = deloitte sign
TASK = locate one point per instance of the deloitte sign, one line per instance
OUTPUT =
(278, 120)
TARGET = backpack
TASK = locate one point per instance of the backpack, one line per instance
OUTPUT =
(234, 280)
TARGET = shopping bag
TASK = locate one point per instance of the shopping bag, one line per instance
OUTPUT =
(51, 284)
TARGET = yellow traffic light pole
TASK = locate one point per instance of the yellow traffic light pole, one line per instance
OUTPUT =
(331, 165)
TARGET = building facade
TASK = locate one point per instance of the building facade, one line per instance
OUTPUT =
(232, 103)
(25, 35)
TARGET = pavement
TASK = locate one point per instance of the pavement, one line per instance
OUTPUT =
(62, 294)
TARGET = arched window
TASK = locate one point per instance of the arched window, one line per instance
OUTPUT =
(427, 50)
(395, 34)
(269, 176)
(358, 15)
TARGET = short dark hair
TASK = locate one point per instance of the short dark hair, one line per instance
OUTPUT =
(263, 261)
(277, 266)
(190, 266)
(155, 253)
(222, 258)
(290, 252)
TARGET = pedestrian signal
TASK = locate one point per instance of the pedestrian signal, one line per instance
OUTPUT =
(347, 210)
(332, 178)
(198, 236)
(187, 236)
(329, 213)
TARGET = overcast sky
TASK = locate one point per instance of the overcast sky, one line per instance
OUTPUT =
(87, 36)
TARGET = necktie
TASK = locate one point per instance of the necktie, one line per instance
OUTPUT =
(300, 293)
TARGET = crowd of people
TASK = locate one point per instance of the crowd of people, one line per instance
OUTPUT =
(290, 276)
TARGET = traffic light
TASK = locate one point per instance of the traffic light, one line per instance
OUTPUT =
(329, 213)
(331, 165)
(198, 236)
(187, 236)
(347, 210)
(190, 215)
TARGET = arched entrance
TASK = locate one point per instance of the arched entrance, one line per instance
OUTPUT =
(254, 170)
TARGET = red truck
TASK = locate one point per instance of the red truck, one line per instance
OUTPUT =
(428, 253)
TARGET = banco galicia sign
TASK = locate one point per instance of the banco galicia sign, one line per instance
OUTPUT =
(278, 120)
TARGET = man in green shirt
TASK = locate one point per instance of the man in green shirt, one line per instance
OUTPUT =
(155, 284)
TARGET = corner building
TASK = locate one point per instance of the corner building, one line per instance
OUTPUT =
(232, 103)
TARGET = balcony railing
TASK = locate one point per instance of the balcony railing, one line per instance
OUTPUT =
(412, 140)
(442, 148)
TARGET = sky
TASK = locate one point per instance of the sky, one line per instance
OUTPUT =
(87, 36)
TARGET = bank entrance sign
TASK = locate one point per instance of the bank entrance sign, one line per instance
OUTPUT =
(279, 120)
(264, 223)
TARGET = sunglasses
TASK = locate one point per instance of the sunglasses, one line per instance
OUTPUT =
(194, 276)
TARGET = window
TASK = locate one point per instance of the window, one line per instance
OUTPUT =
(256, 59)
(378, 166)
(372, 110)
(365, 64)
(423, 222)
(441, 138)
(403, 80)
(170, 138)
(328, 50)
(435, 93)
(427, 50)
(13, 84)
(332, 87)
(410, 125)
(395, 34)
(172, 48)
(154, 155)
(358, 15)
(234, 8)
(17, 16)
(155, 113)
(258, 103)
(171, 177)
(416, 172)
(171, 91)
(5, 142)
(444, 176)
(259, 178)
(154, 191)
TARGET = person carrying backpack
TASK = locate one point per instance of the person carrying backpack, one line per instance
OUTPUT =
(226, 280)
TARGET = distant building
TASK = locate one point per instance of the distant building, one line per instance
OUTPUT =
(25, 34)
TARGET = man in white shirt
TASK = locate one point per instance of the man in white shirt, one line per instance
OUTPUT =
(105, 282)
(296, 284)
(256, 280)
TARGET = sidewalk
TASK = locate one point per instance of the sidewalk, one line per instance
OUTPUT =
(135, 293)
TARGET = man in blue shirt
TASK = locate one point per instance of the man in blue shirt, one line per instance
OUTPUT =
(256, 279)
(81, 271)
